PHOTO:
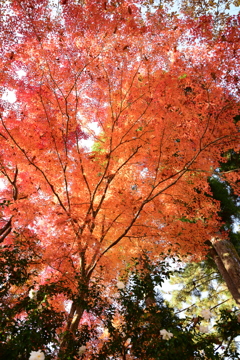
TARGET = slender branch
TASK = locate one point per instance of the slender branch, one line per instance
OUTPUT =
(36, 166)
(178, 312)
(219, 304)
(6, 229)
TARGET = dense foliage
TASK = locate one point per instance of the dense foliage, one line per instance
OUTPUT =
(113, 116)
(134, 322)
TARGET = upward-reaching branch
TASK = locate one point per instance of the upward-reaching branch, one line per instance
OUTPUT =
(160, 120)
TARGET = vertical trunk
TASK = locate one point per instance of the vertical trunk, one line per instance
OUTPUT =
(78, 305)
(74, 318)
(73, 326)
(227, 260)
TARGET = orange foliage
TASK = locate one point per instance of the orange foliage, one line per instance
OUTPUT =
(155, 94)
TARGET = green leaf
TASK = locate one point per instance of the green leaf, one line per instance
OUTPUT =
(182, 76)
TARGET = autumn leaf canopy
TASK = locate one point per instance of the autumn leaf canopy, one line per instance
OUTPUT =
(116, 119)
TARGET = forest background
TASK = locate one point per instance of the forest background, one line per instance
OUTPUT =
(87, 233)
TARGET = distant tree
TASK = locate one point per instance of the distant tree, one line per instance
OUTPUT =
(220, 10)
(204, 278)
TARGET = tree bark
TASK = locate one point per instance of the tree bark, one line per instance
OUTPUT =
(74, 318)
(5, 230)
(73, 321)
(227, 260)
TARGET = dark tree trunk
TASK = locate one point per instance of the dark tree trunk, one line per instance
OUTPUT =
(227, 260)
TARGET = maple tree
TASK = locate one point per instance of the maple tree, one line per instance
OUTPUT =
(157, 96)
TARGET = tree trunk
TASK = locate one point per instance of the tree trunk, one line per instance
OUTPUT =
(74, 318)
(227, 260)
